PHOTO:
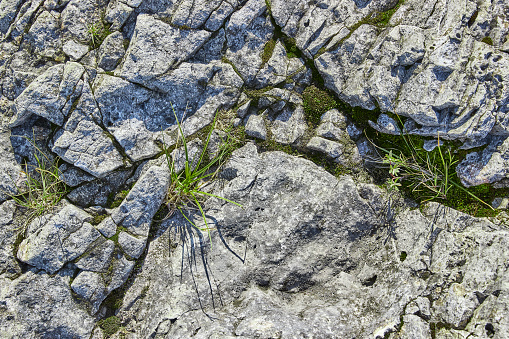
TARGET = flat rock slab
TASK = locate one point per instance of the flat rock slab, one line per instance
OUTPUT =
(57, 239)
(56, 313)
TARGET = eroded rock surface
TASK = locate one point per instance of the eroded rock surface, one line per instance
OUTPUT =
(309, 254)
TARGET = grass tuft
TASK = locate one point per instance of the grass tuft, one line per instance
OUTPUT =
(43, 188)
(186, 190)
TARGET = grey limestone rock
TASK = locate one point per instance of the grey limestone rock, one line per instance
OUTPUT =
(139, 207)
(44, 35)
(88, 147)
(247, 32)
(8, 234)
(11, 175)
(97, 192)
(74, 49)
(56, 313)
(320, 267)
(255, 127)
(111, 51)
(156, 48)
(98, 258)
(386, 124)
(107, 227)
(131, 246)
(487, 166)
(48, 94)
(59, 238)
(8, 11)
(278, 68)
(117, 14)
(289, 125)
(95, 286)
(332, 125)
(77, 17)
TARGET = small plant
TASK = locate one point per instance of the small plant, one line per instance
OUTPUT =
(186, 188)
(44, 187)
(95, 34)
(428, 175)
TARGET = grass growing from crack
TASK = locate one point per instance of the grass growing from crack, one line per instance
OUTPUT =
(187, 184)
(426, 175)
(44, 187)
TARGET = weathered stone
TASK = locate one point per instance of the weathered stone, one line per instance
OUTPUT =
(117, 14)
(60, 238)
(8, 13)
(111, 51)
(247, 32)
(37, 304)
(74, 49)
(487, 166)
(332, 125)
(289, 125)
(11, 175)
(8, 234)
(131, 246)
(218, 16)
(139, 207)
(77, 17)
(243, 110)
(107, 227)
(44, 35)
(95, 287)
(97, 192)
(255, 127)
(88, 147)
(48, 94)
(156, 48)
(73, 176)
(98, 259)
(386, 124)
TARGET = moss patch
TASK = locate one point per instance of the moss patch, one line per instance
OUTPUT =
(109, 325)
(268, 49)
(316, 102)
(487, 40)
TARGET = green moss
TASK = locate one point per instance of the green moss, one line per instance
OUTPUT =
(316, 102)
(487, 40)
(117, 198)
(268, 49)
(109, 325)
(98, 218)
(402, 256)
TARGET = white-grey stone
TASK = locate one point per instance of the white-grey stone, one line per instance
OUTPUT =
(74, 49)
(60, 238)
(98, 258)
(255, 127)
(131, 246)
(111, 51)
(107, 227)
(39, 304)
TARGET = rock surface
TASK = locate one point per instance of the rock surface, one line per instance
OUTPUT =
(99, 86)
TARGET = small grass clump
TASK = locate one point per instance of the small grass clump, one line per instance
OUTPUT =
(187, 184)
(43, 188)
(97, 33)
(316, 103)
(431, 176)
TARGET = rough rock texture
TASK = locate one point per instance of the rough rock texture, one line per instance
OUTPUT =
(290, 263)
(308, 254)
(56, 239)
